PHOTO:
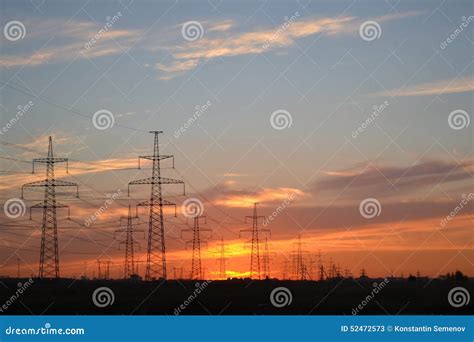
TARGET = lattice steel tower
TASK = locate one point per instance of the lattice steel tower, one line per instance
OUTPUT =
(255, 252)
(129, 242)
(222, 260)
(156, 251)
(266, 260)
(49, 255)
(196, 265)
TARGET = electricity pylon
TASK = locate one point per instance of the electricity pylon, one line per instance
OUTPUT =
(222, 260)
(129, 242)
(266, 260)
(255, 252)
(196, 266)
(103, 268)
(49, 253)
(321, 270)
(300, 266)
(156, 250)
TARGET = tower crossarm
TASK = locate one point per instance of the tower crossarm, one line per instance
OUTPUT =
(45, 183)
(153, 158)
(151, 180)
(254, 217)
(43, 205)
(50, 160)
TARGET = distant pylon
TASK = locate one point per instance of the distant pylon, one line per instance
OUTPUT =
(320, 266)
(222, 260)
(103, 268)
(156, 251)
(285, 269)
(196, 266)
(255, 252)
(49, 255)
(301, 269)
(129, 242)
(266, 260)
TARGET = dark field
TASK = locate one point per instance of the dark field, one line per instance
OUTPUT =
(334, 297)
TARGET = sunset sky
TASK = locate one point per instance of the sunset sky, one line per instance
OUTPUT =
(308, 62)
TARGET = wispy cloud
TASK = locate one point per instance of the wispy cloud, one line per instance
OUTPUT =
(77, 35)
(245, 199)
(225, 44)
(461, 85)
(220, 42)
(391, 181)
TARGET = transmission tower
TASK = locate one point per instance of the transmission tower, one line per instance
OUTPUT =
(129, 242)
(320, 266)
(255, 252)
(266, 260)
(300, 267)
(285, 269)
(222, 260)
(103, 268)
(49, 256)
(196, 266)
(156, 251)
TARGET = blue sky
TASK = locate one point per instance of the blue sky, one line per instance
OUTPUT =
(318, 69)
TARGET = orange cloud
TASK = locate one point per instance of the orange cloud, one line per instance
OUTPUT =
(265, 195)
(461, 85)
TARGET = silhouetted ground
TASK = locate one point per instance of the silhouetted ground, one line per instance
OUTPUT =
(334, 297)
